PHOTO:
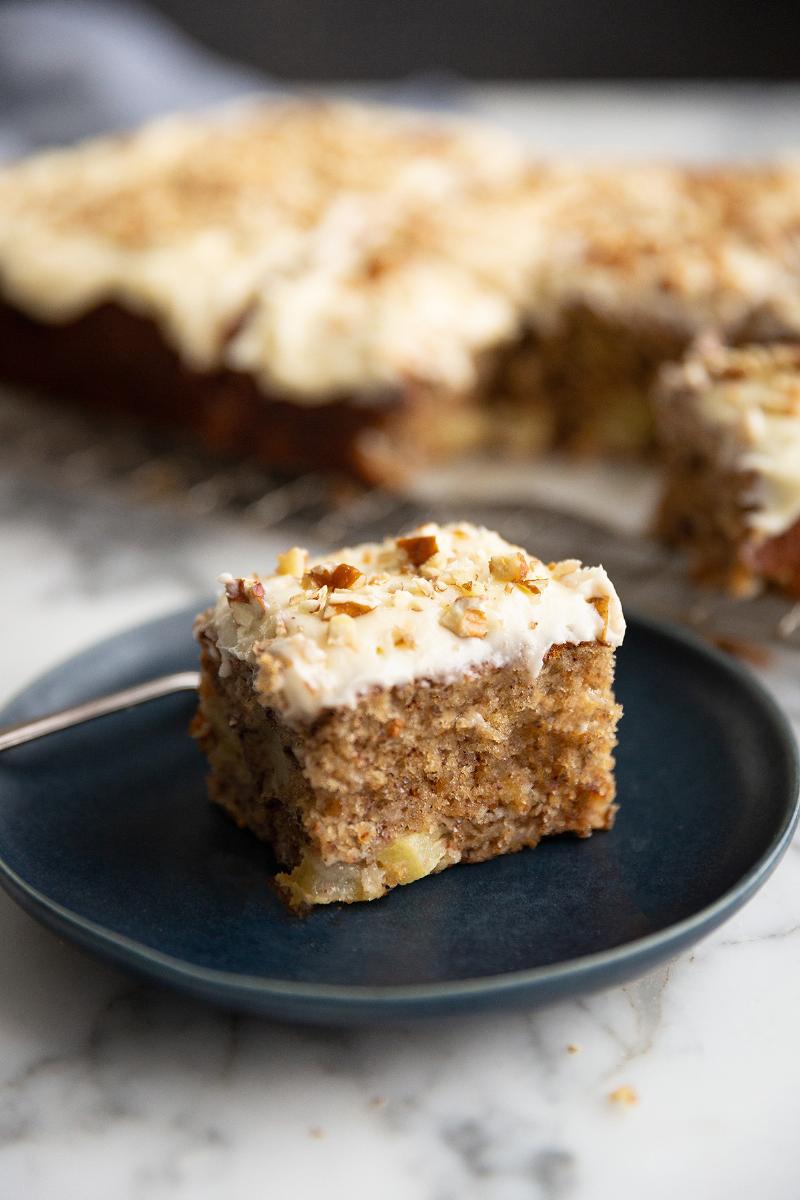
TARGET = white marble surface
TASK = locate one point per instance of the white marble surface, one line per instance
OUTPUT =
(109, 1088)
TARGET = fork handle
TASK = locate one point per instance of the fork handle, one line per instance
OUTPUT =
(77, 714)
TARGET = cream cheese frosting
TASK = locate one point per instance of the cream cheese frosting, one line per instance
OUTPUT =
(752, 396)
(332, 249)
(440, 601)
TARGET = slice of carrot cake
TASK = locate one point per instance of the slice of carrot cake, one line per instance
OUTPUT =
(399, 707)
(729, 421)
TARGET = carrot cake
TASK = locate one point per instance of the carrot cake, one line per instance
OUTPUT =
(335, 285)
(729, 424)
(399, 707)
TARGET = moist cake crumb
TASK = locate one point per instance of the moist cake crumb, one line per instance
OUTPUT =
(624, 1095)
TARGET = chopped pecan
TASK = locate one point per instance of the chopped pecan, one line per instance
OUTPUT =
(625, 1095)
(601, 603)
(341, 576)
(402, 638)
(240, 591)
(533, 587)
(345, 576)
(559, 569)
(293, 562)
(465, 619)
(509, 568)
(419, 549)
(351, 608)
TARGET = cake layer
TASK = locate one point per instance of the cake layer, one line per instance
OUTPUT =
(416, 778)
(118, 364)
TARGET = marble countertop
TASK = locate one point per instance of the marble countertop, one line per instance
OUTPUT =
(109, 1087)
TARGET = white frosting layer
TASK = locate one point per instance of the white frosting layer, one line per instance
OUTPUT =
(474, 600)
(354, 248)
(752, 395)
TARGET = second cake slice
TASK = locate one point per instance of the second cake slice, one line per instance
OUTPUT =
(729, 424)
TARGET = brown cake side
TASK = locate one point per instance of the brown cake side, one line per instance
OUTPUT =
(596, 374)
(118, 364)
(584, 387)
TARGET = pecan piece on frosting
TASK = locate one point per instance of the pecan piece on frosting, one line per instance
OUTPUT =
(559, 570)
(465, 619)
(343, 575)
(419, 549)
(602, 604)
(239, 591)
(350, 608)
(293, 562)
(509, 568)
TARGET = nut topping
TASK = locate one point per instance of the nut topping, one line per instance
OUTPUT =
(601, 603)
(558, 570)
(350, 608)
(509, 568)
(418, 593)
(465, 619)
(293, 562)
(419, 549)
(533, 586)
(239, 591)
(343, 575)
(403, 639)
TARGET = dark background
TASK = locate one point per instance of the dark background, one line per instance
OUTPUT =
(502, 39)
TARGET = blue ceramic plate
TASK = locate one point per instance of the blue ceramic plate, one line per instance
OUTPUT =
(107, 837)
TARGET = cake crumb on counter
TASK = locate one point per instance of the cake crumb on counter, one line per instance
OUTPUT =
(625, 1096)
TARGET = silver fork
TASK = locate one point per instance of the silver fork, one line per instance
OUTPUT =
(77, 714)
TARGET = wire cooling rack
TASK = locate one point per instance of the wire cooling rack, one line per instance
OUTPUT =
(68, 451)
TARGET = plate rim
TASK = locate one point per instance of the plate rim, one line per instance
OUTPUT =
(121, 949)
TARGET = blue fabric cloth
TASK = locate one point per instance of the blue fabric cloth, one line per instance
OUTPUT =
(73, 68)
